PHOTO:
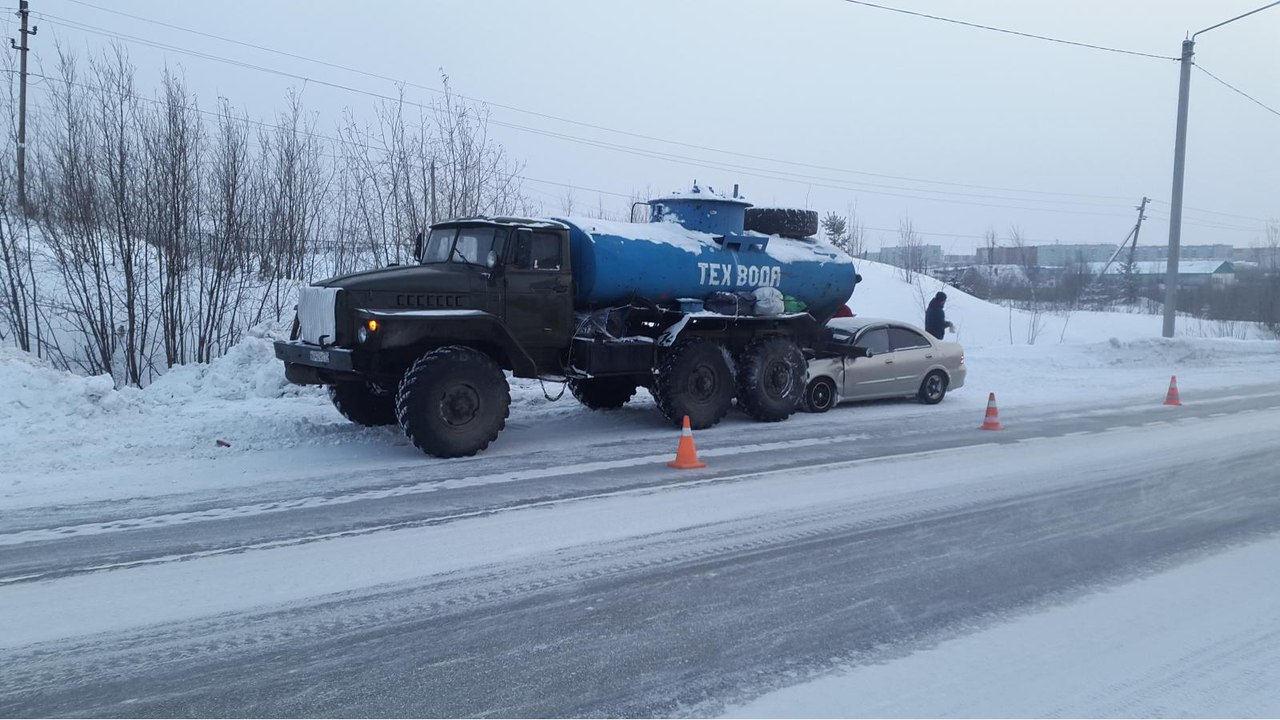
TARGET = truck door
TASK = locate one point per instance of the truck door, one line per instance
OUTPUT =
(539, 296)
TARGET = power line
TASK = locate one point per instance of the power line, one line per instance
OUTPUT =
(779, 175)
(337, 141)
(580, 123)
(1238, 91)
(718, 165)
(1010, 32)
(1216, 212)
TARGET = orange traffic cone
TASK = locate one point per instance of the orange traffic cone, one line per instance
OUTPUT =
(686, 453)
(1172, 397)
(992, 421)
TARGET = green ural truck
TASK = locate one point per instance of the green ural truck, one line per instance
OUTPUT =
(605, 306)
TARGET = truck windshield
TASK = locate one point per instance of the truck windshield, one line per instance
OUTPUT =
(469, 245)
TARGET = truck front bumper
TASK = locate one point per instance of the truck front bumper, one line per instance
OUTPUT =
(307, 364)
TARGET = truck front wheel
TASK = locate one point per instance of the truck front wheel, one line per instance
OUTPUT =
(771, 379)
(453, 402)
(608, 393)
(364, 403)
(694, 379)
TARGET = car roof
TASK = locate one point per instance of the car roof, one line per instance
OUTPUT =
(854, 324)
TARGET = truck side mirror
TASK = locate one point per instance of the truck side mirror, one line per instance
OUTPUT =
(417, 247)
(491, 260)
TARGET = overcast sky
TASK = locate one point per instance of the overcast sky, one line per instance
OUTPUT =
(959, 129)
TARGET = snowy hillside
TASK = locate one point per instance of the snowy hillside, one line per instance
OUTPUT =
(884, 293)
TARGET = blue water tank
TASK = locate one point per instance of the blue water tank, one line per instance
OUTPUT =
(695, 246)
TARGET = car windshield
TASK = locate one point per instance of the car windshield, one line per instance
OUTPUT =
(469, 245)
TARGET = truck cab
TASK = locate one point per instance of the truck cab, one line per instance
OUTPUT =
(503, 285)
(521, 274)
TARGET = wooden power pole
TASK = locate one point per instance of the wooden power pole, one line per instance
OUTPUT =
(23, 12)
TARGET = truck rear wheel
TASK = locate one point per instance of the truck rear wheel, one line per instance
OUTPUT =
(453, 402)
(694, 379)
(771, 379)
(608, 393)
(364, 403)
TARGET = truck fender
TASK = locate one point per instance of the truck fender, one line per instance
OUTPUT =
(405, 328)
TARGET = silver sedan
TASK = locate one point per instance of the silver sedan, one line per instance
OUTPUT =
(868, 359)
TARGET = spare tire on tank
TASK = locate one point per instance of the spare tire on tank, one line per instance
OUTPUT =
(787, 222)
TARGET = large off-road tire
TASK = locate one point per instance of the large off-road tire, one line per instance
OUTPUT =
(786, 222)
(819, 396)
(453, 402)
(771, 379)
(933, 388)
(607, 393)
(694, 379)
(364, 403)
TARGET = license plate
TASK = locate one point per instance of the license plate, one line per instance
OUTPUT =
(320, 356)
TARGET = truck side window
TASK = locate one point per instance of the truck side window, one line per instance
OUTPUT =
(545, 251)
(522, 257)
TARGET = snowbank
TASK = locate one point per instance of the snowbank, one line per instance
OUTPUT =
(66, 438)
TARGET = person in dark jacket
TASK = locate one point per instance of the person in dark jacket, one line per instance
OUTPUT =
(935, 318)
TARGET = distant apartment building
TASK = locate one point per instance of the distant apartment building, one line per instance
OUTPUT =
(1066, 254)
(1185, 252)
(1061, 255)
(919, 256)
(999, 255)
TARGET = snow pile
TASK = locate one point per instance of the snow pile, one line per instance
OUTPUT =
(32, 393)
(248, 370)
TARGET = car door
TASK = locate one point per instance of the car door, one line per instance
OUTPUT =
(869, 377)
(912, 356)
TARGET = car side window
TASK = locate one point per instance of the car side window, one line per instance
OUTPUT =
(842, 336)
(877, 341)
(904, 339)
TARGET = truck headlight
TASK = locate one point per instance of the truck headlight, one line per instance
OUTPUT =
(368, 328)
(362, 334)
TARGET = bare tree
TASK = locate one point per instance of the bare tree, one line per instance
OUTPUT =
(911, 250)
(73, 226)
(118, 122)
(855, 235)
(1032, 305)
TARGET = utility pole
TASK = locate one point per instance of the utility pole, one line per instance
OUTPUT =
(1179, 158)
(1137, 228)
(1142, 210)
(1175, 201)
(22, 102)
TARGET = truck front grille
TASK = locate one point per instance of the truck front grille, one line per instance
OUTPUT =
(316, 314)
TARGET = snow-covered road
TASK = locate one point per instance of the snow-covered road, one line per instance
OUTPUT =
(621, 588)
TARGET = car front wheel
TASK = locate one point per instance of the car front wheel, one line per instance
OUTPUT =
(820, 395)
